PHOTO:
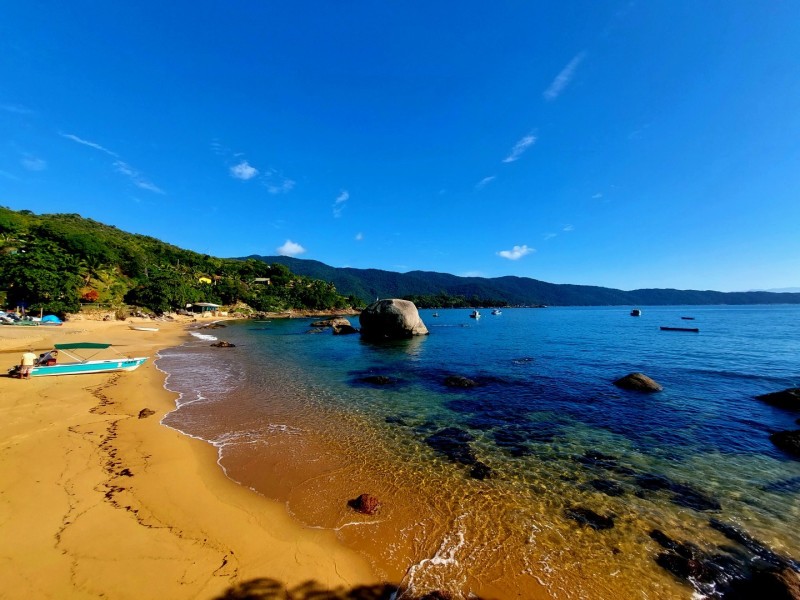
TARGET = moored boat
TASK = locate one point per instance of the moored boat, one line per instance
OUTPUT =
(83, 365)
(475, 314)
(497, 311)
(636, 312)
(692, 329)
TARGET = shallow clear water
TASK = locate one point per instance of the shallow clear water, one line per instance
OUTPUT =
(293, 420)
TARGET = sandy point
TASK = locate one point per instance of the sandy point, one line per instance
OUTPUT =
(98, 501)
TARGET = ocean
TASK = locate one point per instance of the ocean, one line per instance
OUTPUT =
(542, 479)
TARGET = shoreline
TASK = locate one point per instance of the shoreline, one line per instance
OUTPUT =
(100, 502)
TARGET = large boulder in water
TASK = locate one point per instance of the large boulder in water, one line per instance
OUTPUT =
(788, 441)
(638, 382)
(784, 399)
(391, 320)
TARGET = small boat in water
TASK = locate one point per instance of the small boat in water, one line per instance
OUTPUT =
(435, 315)
(474, 315)
(688, 318)
(82, 365)
(692, 329)
(497, 311)
(636, 312)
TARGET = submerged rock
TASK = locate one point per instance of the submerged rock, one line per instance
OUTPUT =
(682, 494)
(454, 444)
(638, 382)
(221, 344)
(459, 382)
(365, 503)
(789, 398)
(608, 487)
(480, 471)
(377, 380)
(588, 517)
(753, 545)
(788, 441)
(390, 320)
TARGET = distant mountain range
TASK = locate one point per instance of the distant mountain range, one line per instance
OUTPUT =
(368, 284)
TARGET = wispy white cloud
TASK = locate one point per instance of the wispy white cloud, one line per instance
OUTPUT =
(290, 248)
(564, 77)
(339, 203)
(359, 236)
(568, 228)
(33, 163)
(8, 175)
(597, 196)
(16, 109)
(119, 165)
(136, 177)
(280, 186)
(516, 252)
(243, 171)
(484, 182)
(549, 236)
(520, 147)
(94, 145)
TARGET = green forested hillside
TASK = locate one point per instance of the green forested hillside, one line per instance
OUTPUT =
(56, 262)
(422, 286)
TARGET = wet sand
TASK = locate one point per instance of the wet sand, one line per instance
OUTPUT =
(98, 502)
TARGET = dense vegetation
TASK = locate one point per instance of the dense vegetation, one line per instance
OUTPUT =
(444, 300)
(367, 284)
(57, 262)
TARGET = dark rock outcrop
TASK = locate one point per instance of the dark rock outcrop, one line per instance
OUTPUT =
(638, 382)
(146, 412)
(588, 517)
(458, 381)
(788, 441)
(222, 344)
(789, 398)
(342, 327)
(390, 320)
(365, 503)
(734, 576)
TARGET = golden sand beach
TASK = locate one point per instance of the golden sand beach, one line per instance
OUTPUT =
(98, 502)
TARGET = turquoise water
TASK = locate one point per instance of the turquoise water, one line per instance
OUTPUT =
(480, 487)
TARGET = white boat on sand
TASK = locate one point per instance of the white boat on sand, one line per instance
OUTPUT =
(82, 365)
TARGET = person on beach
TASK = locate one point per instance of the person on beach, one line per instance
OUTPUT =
(48, 358)
(26, 364)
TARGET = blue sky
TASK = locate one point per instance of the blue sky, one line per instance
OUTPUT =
(623, 144)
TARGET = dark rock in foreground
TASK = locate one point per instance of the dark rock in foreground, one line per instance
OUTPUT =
(221, 344)
(789, 398)
(638, 382)
(391, 320)
(365, 503)
(788, 441)
(146, 412)
(730, 576)
(459, 382)
(588, 517)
